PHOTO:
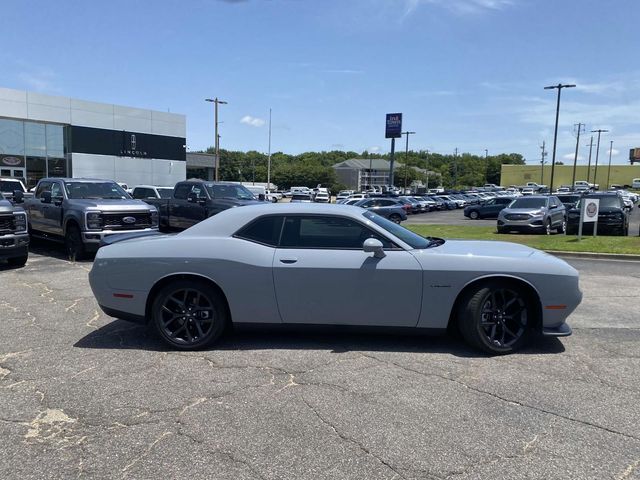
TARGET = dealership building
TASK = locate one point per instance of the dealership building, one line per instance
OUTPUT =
(51, 136)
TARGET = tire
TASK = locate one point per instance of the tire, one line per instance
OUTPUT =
(501, 230)
(274, 200)
(395, 218)
(563, 226)
(73, 244)
(474, 215)
(188, 314)
(496, 317)
(547, 227)
(18, 261)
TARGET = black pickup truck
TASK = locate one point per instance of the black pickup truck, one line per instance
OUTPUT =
(196, 200)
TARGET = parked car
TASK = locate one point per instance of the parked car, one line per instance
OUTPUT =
(142, 192)
(344, 194)
(14, 237)
(448, 204)
(261, 193)
(331, 265)
(301, 198)
(10, 185)
(635, 183)
(528, 191)
(386, 207)
(194, 200)
(81, 212)
(322, 197)
(459, 203)
(613, 216)
(534, 213)
(584, 186)
(489, 209)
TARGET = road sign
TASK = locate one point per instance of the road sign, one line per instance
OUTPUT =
(591, 208)
(394, 125)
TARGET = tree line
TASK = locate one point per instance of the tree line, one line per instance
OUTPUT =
(312, 168)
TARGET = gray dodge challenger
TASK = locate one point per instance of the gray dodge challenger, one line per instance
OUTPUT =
(330, 265)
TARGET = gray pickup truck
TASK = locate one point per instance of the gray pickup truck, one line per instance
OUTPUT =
(81, 212)
(14, 239)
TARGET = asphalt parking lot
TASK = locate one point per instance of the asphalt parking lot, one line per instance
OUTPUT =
(87, 396)
(456, 217)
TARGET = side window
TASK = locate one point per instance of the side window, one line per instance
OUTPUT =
(181, 191)
(493, 201)
(141, 193)
(43, 187)
(265, 230)
(326, 232)
(386, 203)
(56, 190)
(199, 191)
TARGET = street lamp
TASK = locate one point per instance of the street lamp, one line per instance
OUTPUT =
(609, 170)
(406, 157)
(595, 170)
(560, 86)
(216, 101)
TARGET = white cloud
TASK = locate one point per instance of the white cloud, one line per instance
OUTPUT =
(253, 121)
(41, 81)
(461, 7)
(614, 152)
(569, 156)
(374, 149)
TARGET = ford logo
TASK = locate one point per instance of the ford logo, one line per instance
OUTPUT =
(129, 220)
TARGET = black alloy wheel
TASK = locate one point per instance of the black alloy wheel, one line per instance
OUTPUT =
(495, 318)
(188, 314)
(73, 244)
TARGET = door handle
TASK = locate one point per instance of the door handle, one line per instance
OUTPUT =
(288, 260)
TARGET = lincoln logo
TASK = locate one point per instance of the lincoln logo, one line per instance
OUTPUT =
(133, 142)
(129, 220)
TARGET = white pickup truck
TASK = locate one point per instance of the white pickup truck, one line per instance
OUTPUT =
(584, 186)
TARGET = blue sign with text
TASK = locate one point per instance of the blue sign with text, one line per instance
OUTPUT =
(394, 125)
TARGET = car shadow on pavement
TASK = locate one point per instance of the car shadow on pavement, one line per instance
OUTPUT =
(52, 249)
(121, 334)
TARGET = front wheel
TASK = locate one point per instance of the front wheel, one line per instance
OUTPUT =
(474, 215)
(395, 218)
(73, 244)
(189, 315)
(563, 226)
(547, 227)
(18, 261)
(496, 317)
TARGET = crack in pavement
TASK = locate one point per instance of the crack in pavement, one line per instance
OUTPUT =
(503, 399)
(146, 452)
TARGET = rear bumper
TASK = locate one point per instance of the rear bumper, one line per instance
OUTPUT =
(130, 317)
(562, 330)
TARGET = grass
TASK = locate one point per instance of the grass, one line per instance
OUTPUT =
(561, 243)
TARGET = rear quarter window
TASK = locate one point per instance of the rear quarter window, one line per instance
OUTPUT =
(264, 230)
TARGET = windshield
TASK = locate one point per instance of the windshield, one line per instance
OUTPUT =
(230, 191)
(165, 192)
(8, 186)
(301, 196)
(407, 236)
(569, 198)
(95, 190)
(529, 203)
(610, 201)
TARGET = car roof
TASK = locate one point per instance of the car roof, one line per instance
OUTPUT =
(149, 186)
(73, 179)
(229, 221)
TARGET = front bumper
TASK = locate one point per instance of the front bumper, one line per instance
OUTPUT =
(562, 330)
(14, 245)
(92, 239)
(531, 224)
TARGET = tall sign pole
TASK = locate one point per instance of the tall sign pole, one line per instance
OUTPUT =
(595, 170)
(216, 101)
(575, 157)
(393, 130)
(406, 157)
(559, 87)
(269, 156)
(544, 154)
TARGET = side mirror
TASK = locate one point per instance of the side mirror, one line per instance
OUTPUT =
(46, 197)
(261, 197)
(551, 207)
(373, 245)
(18, 196)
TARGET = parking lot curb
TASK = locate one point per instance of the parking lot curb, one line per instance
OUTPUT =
(595, 256)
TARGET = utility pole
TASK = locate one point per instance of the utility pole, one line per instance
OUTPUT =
(609, 170)
(559, 87)
(269, 156)
(544, 154)
(406, 156)
(455, 168)
(426, 162)
(589, 165)
(216, 101)
(595, 171)
(486, 165)
(575, 157)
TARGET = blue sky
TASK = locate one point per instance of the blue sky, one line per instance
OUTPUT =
(465, 73)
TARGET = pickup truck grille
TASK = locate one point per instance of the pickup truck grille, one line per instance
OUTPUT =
(7, 224)
(115, 221)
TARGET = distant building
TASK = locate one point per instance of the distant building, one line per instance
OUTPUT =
(362, 173)
(201, 165)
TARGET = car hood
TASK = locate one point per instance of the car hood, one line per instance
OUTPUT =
(7, 207)
(478, 248)
(522, 210)
(111, 205)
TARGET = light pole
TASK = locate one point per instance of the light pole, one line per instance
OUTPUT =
(575, 157)
(486, 165)
(595, 170)
(426, 161)
(609, 170)
(215, 102)
(406, 157)
(589, 164)
(269, 156)
(455, 168)
(559, 87)
(544, 154)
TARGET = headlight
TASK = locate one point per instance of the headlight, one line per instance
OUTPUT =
(94, 220)
(21, 222)
(154, 218)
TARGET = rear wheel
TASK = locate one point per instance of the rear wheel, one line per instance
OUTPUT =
(474, 215)
(496, 317)
(395, 218)
(501, 230)
(563, 226)
(18, 261)
(73, 243)
(189, 315)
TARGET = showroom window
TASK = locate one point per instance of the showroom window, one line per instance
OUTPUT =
(11, 137)
(35, 139)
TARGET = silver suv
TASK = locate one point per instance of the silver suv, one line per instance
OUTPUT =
(533, 213)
